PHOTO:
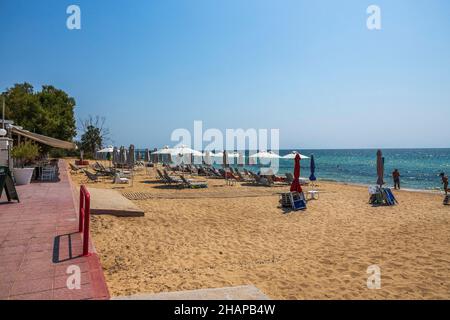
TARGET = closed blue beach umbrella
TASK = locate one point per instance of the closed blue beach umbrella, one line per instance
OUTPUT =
(312, 177)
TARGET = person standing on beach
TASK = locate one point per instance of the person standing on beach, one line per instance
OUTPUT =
(444, 182)
(396, 177)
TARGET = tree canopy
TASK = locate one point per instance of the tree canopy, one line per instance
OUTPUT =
(94, 135)
(49, 112)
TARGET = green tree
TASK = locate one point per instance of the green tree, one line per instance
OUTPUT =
(58, 109)
(49, 112)
(94, 135)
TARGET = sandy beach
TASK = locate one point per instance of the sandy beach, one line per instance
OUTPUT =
(238, 235)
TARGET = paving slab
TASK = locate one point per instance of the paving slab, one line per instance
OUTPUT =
(107, 201)
(39, 240)
(248, 292)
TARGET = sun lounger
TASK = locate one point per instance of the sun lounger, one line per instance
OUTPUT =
(191, 169)
(216, 172)
(241, 177)
(105, 173)
(91, 177)
(193, 184)
(230, 175)
(381, 196)
(264, 181)
(172, 180)
(120, 180)
(161, 176)
(285, 200)
(74, 168)
(298, 201)
(303, 181)
(293, 200)
(313, 195)
(201, 171)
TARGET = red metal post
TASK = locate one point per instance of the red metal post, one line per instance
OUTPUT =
(85, 206)
(81, 216)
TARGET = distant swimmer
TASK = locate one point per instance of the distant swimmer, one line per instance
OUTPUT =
(444, 182)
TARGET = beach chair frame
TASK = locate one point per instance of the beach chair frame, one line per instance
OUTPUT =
(298, 201)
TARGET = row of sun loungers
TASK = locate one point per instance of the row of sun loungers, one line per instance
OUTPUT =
(177, 178)
(181, 181)
(101, 172)
(231, 174)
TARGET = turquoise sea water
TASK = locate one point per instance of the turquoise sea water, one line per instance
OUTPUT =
(419, 168)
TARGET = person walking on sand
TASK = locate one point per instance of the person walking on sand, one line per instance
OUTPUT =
(444, 182)
(396, 177)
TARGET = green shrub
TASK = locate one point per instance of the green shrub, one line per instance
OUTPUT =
(25, 153)
(57, 153)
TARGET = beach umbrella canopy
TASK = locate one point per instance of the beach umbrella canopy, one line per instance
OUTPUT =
(182, 150)
(229, 154)
(295, 186)
(109, 149)
(217, 155)
(266, 155)
(233, 155)
(312, 177)
(380, 168)
(164, 150)
(293, 154)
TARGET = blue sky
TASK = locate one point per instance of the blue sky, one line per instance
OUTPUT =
(310, 68)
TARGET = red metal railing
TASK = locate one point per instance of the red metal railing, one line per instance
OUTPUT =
(85, 212)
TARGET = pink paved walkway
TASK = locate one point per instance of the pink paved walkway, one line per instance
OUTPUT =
(39, 240)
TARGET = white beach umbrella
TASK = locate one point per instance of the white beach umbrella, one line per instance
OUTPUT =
(109, 149)
(233, 155)
(293, 154)
(182, 150)
(229, 155)
(265, 155)
(164, 150)
(217, 155)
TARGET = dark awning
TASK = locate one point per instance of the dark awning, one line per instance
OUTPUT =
(52, 142)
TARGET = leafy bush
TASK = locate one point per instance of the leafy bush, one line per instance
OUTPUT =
(57, 153)
(25, 153)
